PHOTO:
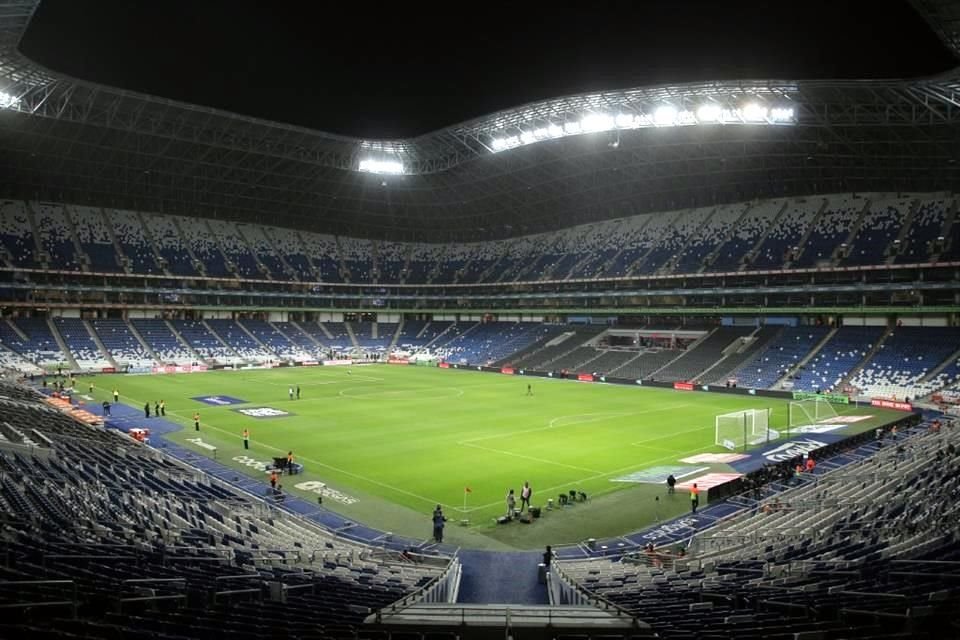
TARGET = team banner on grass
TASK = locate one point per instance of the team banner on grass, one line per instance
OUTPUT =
(658, 475)
(219, 401)
(715, 458)
(709, 481)
(833, 398)
(263, 412)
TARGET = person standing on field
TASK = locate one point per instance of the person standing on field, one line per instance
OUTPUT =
(694, 498)
(525, 494)
(290, 391)
(196, 421)
(438, 523)
(511, 503)
(246, 438)
(298, 392)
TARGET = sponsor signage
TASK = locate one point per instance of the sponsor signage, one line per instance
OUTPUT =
(507, 371)
(444, 365)
(309, 363)
(834, 398)
(891, 404)
(683, 386)
(817, 428)
(200, 443)
(585, 377)
(263, 412)
(792, 449)
(322, 489)
(397, 361)
(108, 370)
(318, 488)
(336, 363)
(846, 419)
(677, 529)
(219, 401)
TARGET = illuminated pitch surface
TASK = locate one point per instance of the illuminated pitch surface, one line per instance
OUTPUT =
(393, 441)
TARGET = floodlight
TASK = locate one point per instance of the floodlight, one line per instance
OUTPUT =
(372, 165)
(708, 113)
(686, 117)
(8, 100)
(754, 112)
(498, 144)
(511, 142)
(540, 134)
(596, 122)
(626, 121)
(571, 128)
(527, 137)
(555, 131)
(782, 114)
(665, 115)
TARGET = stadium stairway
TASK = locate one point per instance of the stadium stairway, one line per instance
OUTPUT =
(491, 577)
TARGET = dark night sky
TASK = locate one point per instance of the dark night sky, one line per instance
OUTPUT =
(401, 70)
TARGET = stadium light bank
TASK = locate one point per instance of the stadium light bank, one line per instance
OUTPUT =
(383, 167)
(8, 101)
(663, 116)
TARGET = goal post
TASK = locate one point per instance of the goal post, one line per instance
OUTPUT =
(811, 411)
(739, 429)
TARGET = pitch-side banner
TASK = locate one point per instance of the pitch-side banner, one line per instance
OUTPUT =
(834, 398)
(584, 377)
(683, 386)
(507, 371)
(891, 404)
(180, 368)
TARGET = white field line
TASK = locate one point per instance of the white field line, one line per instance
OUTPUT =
(567, 485)
(552, 424)
(640, 443)
(260, 445)
(526, 457)
(414, 392)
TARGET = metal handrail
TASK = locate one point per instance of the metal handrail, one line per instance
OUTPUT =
(592, 598)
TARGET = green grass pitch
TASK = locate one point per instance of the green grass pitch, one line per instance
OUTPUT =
(398, 440)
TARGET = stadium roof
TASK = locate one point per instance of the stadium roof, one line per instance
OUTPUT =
(536, 167)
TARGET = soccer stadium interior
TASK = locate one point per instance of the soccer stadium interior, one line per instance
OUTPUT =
(787, 240)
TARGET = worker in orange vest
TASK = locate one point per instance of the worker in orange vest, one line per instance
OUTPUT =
(694, 498)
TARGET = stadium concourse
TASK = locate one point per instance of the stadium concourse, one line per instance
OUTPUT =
(724, 242)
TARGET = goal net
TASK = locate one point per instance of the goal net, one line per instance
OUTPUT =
(741, 428)
(812, 411)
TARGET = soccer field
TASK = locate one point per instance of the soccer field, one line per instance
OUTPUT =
(392, 442)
